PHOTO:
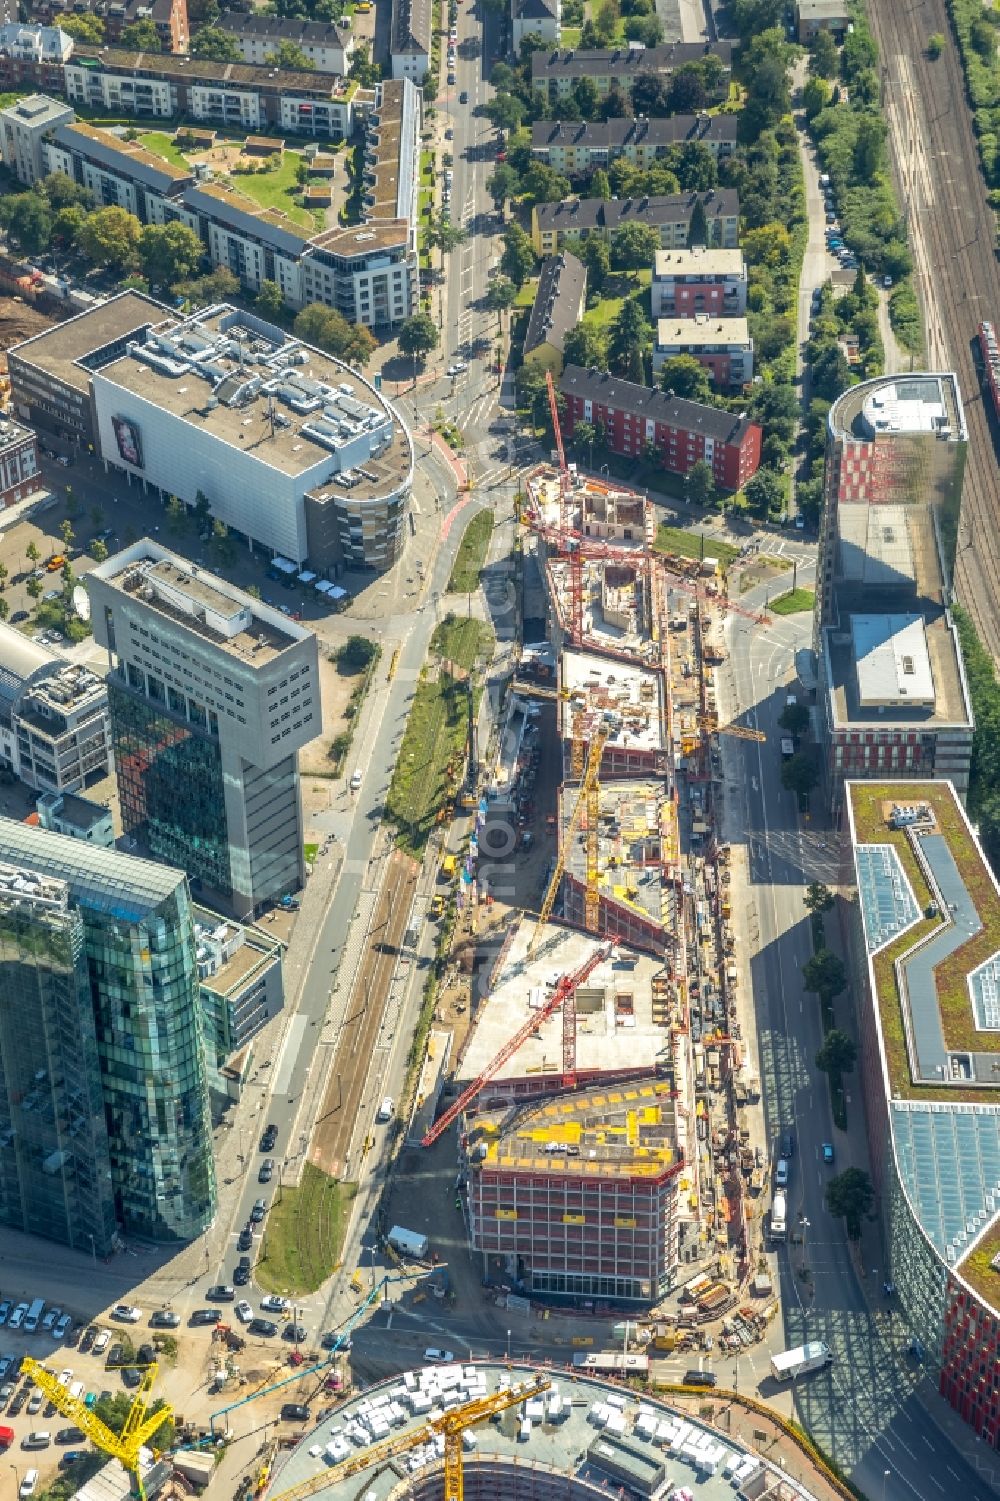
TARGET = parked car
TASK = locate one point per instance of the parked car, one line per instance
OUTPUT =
(243, 1311)
(126, 1313)
(131, 1376)
(262, 1326)
(438, 1357)
(71, 1436)
(221, 1293)
(274, 1304)
(204, 1316)
(700, 1378)
(39, 1438)
(62, 1327)
(164, 1318)
(781, 1174)
(269, 1138)
(296, 1332)
(294, 1412)
(70, 1458)
(28, 1485)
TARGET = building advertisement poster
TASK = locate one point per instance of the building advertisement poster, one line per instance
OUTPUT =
(129, 441)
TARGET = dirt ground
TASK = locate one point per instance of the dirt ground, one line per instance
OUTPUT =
(761, 571)
(19, 320)
(335, 692)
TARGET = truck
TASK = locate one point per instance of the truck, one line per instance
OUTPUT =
(408, 1242)
(800, 1361)
(779, 1216)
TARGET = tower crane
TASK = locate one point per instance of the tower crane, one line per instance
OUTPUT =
(450, 1425)
(562, 995)
(591, 780)
(738, 731)
(137, 1430)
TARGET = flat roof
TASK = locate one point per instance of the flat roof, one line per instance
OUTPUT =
(875, 547)
(362, 239)
(121, 155)
(36, 111)
(948, 705)
(691, 333)
(57, 350)
(197, 70)
(198, 601)
(699, 260)
(893, 405)
(627, 696)
(120, 885)
(262, 391)
(615, 1026)
(81, 812)
(564, 1443)
(68, 687)
(893, 663)
(20, 658)
(633, 830)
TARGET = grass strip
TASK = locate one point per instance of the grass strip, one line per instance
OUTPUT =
(684, 544)
(305, 1233)
(792, 603)
(471, 555)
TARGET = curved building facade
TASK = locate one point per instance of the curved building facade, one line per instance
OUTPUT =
(927, 967)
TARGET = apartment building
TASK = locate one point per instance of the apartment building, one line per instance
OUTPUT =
(327, 45)
(411, 28)
(33, 57)
(104, 1098)
(170, 17)
(556, 74)
(54, 731)
(669, 214)
(560, 302)
(212, 695)
(19, 470)
(117, 173)
(638, 420)
(237, 96)
(722, 344)
(536, 18)
(23, 128)
(698, 280)
(577, 148)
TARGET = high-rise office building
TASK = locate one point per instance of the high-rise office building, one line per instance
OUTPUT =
(55, 1159)
(212, 694)
(101, 997)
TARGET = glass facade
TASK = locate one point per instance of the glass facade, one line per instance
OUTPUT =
(157, 757)
(55, 1159)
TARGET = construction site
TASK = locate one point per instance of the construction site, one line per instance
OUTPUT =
(624, 980)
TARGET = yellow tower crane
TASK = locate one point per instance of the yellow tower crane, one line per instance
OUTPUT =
(738, 731)
(137, 1430)
(589, 794)
(450, 1424)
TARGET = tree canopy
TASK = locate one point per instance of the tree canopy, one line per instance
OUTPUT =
(850, 1197)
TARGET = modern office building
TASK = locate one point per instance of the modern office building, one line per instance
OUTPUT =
(670, 214)
(116, 986)
(722, 344)
(926, 966)
(697, 280)
(556, 74)
(212, 695)
(55, 1156)
(328, 46)
(576, 148)
(54, 732)
(638, 419)
(893, 696)
(23, 127)
(295, 451)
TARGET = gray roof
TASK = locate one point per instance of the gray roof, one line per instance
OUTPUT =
(411, 27)
(617, 133)
(219, 208)
(20, 659)
(574, 214)
(108, 881)
(657, 406)
(562, 289)
(127, 164)
(600, 62)
(536, 10)
(283, 28)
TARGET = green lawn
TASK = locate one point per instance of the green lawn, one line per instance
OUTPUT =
(309, 853)
(471, 554)
(305, 1232)
(431, 756)
(277, 188)
(792, 603)
(526, 293)
(693, 545)
(161, 144)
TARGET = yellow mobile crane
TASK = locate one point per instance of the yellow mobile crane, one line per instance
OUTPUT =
(451, 1424)
(137, 1430)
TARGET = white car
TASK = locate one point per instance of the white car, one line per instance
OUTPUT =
(62, 1327)
(28, 1485)
(457, 368)
(273, 1304)
(102, 1341)
(887, 282)
(17, 1317)
(51, 1318)
(126, 1313)
(66, 1377)
(243, 1311)
(439, 1357)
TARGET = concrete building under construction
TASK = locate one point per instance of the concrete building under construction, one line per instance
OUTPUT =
(630, 858)
(625, 703)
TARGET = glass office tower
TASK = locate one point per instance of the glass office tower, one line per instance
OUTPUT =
(139, 947)
(55, 1159)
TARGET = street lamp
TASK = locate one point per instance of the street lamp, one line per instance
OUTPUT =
(17, 1478)
(93, 1248)
(508, 1347)
(885, 1477)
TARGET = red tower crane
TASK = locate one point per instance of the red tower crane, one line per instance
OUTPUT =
(563, 995)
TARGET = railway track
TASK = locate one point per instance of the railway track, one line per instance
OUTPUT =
(952, 235)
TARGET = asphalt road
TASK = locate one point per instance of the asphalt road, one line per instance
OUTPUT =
(863, 1411)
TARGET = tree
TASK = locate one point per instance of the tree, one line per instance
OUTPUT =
(935, 45)
(531, 390)
(765, 493)
(202, 510)
(360, 346)
(169, 253)
(291, 56)
(584, 438)
(586, 346)
(4, 609)
(362, 69)
(614, 105)
(849, 1197)
(505, 111)
(645, 29)
(4, 574)
(794, 718)
(686, 93)
(543, 184)
(634, 247)
(72, 504)
(177, 515)
(824, 59)
(596, 256)
(34, 587)
(600, 187)
(869, 147)
(518, 259)
(501, 295)
(818, 898)
(838, 1054)
(685, 376)
(630, 338)
(503, 183)
(110, 237)
(141, 36)
(67, 534)
(698, 224)
(28, 221)
(831, 374)
(86, 28)
(823, 972)
(983, 38)
(269, 301)
(32, 554)
(429, 87)
(699, 483)
(748, 16)
(587, 98)
(444, 235)
(815, 94)
(67, 225)
(215, 45)
(62, 192)
(649, 95)
(98, 550)
(221, 542)
(418, 336)
(799, 775)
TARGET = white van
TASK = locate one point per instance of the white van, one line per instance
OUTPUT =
(34, 1315)
(28, 1485)
(356, 780)
(102, 1341)
(385, 1111)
